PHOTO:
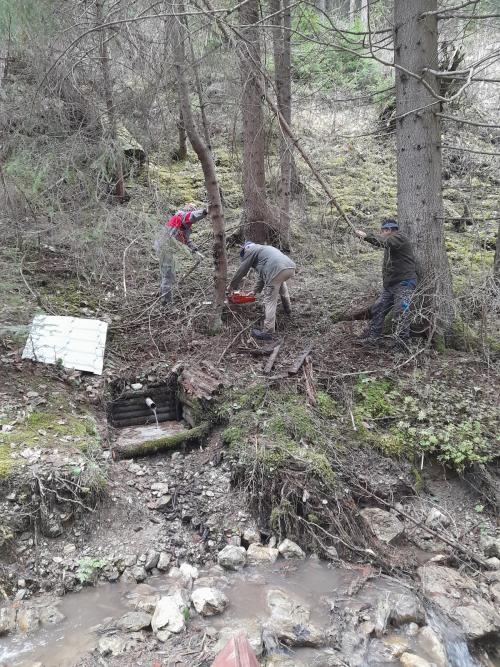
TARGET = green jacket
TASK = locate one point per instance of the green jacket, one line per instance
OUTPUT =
(399, 261)
(267, 262)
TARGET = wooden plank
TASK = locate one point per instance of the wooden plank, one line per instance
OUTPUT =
(255, 352)
(299, 360)
(270, 362)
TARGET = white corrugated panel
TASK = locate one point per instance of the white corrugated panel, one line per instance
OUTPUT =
(79, 343)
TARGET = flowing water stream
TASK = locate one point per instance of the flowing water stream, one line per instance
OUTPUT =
(315, 584)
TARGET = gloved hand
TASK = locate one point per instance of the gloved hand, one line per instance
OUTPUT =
(205, 211)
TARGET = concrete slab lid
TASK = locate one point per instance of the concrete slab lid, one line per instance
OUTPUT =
(77, 342)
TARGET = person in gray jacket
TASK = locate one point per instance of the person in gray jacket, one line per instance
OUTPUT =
(273, 269)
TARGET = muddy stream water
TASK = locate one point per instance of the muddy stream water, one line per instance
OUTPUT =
(313, 583)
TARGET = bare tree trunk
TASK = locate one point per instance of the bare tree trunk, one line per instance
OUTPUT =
(199, 92)
(211, 182)
(254, 179)
(496, 263)
(282, 76)
(419, 165)
(181, 152)
(352, 10)
(7, 55)
(363, 13)
(107, 82)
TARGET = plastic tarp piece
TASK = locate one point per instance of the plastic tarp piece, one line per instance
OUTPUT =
(74, 342)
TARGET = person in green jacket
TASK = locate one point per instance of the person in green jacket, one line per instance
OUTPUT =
(399, 280)
(273, 269)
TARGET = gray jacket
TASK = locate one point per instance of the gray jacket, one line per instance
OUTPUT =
(265, 260)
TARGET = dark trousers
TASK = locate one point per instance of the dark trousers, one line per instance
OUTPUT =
(399, 297)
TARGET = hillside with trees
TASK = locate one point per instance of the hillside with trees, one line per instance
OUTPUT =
(174, 469)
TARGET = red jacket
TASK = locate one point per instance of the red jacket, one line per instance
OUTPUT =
(179, 225)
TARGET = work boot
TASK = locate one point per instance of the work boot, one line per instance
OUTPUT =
(262, 335)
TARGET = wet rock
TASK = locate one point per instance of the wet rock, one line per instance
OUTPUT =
(289, 549)
(395, 646)
(152, 558)
(406, 608)
(385, 526)
(251, 535)
(147, 603)
(7, 620)
(129, 560)
(188, 571)
(277, 660)
(412, 629)
(433, 646)
(160, 488)
(114, 645)
(253, 631)
(232, 558)
(112, 575)
(412, 660)
(28, 620)
(212, 582)
(51, 527)
(289, 621)
(162, 503)
(258, 554)
(495, 592)
(381, 615)
(134, 621)
(139, 573)
(169, 614)
(458, 596)
(163, 563)
(209, 601)
(436, 519)
(491, 547)
(51, 615)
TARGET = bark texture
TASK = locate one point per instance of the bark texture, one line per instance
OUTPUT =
(211, 181)
(107, 85)
(282, 77)
(254, 179)
(181, 152)
(419, 164)
(496, 263)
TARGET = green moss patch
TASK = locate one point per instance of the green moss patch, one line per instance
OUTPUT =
(48, 430)
(450, 420)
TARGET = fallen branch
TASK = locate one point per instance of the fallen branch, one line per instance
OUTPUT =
(309, 381)
(149, 447)
(255, 351)
(297, 364)
(439, 536)
(270, 362)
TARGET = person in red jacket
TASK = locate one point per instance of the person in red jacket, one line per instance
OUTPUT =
(176, 236)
